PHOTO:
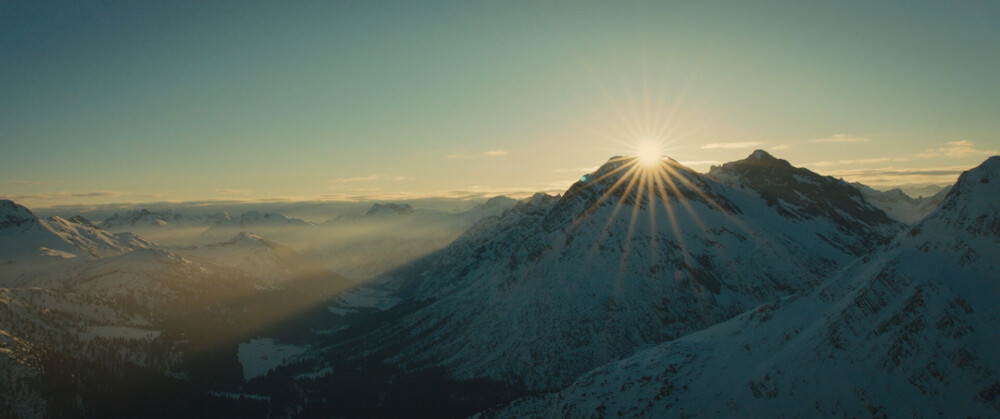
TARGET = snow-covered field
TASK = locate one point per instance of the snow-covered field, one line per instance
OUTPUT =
(260, 356)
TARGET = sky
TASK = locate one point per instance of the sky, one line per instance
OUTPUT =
(186, 100)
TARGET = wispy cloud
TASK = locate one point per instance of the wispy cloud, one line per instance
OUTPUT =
(487, 153)
(892, 176)
(701, 162)
(847, 162)
(64, 195)
(29, 182)
(473, 192)
(370, 178)
(841, 138)
(744, 144)
(577, 170)
(781, 147)
(231, 191)
(956, 149)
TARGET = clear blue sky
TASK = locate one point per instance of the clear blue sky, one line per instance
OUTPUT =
(149, 101)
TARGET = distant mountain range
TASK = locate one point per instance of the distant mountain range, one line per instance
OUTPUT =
(900, 206)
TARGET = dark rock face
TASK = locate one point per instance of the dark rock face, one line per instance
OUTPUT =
(13, 215)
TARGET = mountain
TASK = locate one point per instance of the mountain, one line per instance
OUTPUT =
(923, 191)
(180, 229)
(23, 236)
(629, 256)
(900, 206)
(162, 219)
(905, 332)
(252, 219)
(800, 194)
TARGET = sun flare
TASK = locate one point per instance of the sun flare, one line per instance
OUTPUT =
(649, 153)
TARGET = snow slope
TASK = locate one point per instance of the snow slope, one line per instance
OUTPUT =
(908, 332)
(23, 235)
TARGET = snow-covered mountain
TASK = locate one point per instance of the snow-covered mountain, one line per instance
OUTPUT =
(163, 219)
(910, 331)
(900, 206)
(23, 236)
(628, 256)
(169, 227)
(800, 194)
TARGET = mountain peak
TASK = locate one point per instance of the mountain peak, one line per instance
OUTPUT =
(972, 204)
(799, 193)
(761, 155)
(499, 201)
(12, 214)
(762, 158)
(79, 219)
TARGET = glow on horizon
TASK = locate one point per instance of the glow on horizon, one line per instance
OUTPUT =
(649, 153)
(145, 102)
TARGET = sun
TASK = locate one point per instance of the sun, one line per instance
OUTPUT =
(649, 153)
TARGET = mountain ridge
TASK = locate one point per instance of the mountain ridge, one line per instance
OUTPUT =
(897, 333)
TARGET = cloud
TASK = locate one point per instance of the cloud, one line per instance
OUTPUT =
(231, 191)
(29, 182)
(745, 144)
(846, 162)
(781, 147)
(577, 170)
(64, 195)
(487, 153)
(892, 177)
(370, 178)
(701, 163)
(841, 138)
(956, 149)
(469, 193)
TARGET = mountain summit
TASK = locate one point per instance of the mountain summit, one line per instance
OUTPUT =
(801, 194)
